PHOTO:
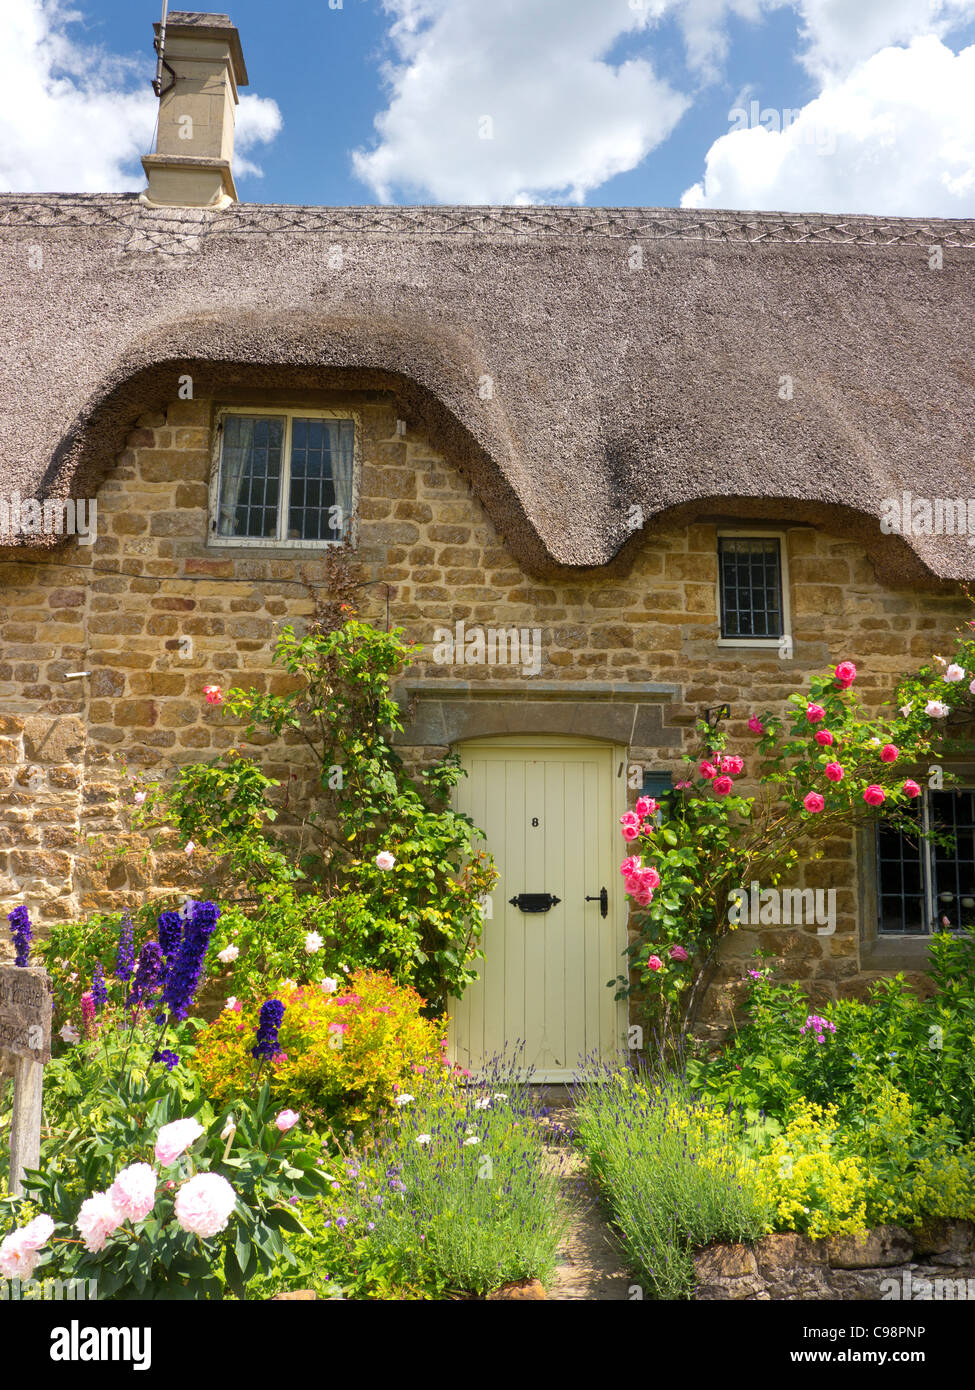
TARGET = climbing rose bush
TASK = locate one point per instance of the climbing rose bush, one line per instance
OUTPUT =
(815, 773)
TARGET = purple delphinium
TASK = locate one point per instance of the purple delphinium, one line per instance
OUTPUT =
(170, 1058)
(98, 991)
(170, 931)
(20, 930)
(149, 974)
(183, 976)
(125, 955)
(266, 1043)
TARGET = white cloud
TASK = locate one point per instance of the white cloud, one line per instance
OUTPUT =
(75, 118)
(561, 120)
(839, 34)
(896, 137)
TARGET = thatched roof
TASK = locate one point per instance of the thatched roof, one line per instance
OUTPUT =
(613, 386)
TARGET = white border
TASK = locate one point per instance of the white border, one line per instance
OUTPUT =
(280, 541)
(758, 533)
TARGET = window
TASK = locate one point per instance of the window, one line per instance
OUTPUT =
(919, 882)
(752, 592)
(284, 478)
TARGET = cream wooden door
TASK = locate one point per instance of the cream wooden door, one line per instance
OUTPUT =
(549, 807)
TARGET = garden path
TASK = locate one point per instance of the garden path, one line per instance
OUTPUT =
(592, 1263)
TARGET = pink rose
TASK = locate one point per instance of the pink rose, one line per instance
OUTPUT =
(214, 695)
(814, 713)
(654, 963)
(643, 897)
(813, 802)
(631, 832)
(287, 1120)
(649, 877)
(846, 673)
(912, 788)
(629, 818)
(874, 796)
(204, 1204)
(678, 953)
(385, 860)
(97, 1220)
(133, 1192)
(279, 1059)
(733, 765)
(707, 770)
(633, 883)
(756, 725)
(889, 753)
(824, 738)
(834, 772)
(175, 1138)
(723, 785)
(630, 865)
(646, 806)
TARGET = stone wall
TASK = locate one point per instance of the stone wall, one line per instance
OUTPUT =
(935, 1263)
(153, 613)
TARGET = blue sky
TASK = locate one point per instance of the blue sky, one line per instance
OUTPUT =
(601, 102)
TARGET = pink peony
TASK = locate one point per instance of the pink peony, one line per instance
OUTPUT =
(733, 765)
(814, 713)
(723, 785)
(175, 1138)
(214, 695)
(133, 1192)
(813, 802)
(756, 725)
(707, 770)
(889, 753)
(678, 953)
(98, 1218)
(874, 796)
(824, 738)
(834, 772)
(204, 1204)
(18, 1250)
(654, 963)
(287, 1120)
(846, 673)
(912, 788)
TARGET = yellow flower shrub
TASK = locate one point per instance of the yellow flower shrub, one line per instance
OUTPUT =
(343, 1055)
(812, 1185)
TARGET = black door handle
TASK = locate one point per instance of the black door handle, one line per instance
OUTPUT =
(602, 900)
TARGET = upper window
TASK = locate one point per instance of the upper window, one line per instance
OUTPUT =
(285, 478)
(752, 590)
(924, 885)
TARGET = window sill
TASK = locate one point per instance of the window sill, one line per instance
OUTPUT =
(756, 644)
(895, 953)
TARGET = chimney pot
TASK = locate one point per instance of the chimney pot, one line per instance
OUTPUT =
(191, 166)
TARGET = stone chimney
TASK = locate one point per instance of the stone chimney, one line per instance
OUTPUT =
(204, 66)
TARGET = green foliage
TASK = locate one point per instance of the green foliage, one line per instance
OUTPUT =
(714, 840)
(925, 1048)
(156, 1258)
(421, 918)
(672, 1172)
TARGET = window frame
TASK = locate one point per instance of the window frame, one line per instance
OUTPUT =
(289, 413)
(757, 534)
(928, 875)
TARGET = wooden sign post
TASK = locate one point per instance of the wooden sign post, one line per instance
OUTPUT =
(25, 1032)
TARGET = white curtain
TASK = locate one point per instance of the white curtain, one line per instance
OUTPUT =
(236, 462)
